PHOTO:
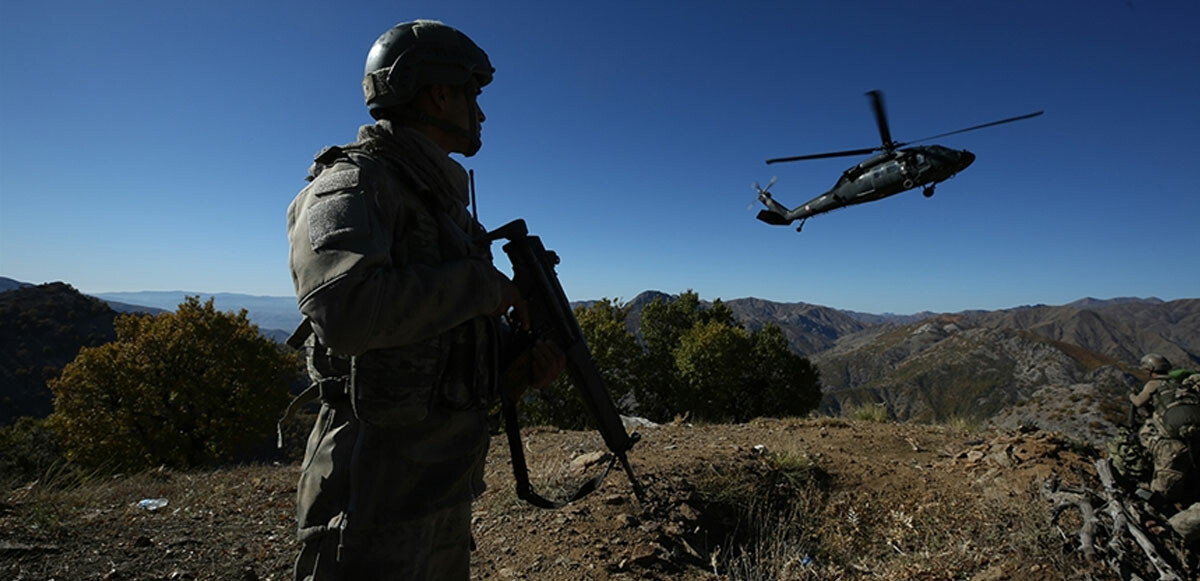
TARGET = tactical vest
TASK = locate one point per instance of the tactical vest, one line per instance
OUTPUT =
(397, 386)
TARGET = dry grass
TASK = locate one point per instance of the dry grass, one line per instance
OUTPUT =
(963, 423)
(876, 412)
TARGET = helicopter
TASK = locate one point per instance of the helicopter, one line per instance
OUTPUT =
(895, 169)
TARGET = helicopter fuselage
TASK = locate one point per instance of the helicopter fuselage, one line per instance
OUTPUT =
(886, 174)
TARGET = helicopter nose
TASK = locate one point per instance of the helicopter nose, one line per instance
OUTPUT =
(966, 158)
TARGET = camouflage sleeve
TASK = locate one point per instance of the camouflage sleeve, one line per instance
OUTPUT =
(1143, 397)
(340, 234)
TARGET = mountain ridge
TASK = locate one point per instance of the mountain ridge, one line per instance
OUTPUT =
(1020, 364)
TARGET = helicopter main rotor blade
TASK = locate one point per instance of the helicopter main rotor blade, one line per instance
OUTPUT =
(1009, 120)
(825, 155)
(885, 134)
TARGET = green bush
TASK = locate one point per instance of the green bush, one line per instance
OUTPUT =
(692, 360)
(617, 356)
(177, 389)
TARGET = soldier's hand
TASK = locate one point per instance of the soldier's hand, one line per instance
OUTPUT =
(536, 368)
(548, 363)
(510, 298)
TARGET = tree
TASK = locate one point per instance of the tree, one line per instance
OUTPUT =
(693, 359)
(735, 376)
(784, 383)
(700, 360)
(661, 391)
(178, 389)
(713, 363)
(616, 353)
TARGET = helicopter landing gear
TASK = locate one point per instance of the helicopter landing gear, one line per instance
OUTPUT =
(801, 226)
(927, 192)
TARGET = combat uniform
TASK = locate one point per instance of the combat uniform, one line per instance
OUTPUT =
(404, 353)
(1172, 456)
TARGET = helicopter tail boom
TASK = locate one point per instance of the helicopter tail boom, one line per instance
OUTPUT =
(777, 215)
(773, 218)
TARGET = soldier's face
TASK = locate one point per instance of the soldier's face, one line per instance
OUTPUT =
(465, 112)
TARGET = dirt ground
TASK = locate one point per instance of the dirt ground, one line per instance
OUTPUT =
(771, 499)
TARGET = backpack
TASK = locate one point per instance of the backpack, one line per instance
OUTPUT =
(1177, 403)
(1180, 374)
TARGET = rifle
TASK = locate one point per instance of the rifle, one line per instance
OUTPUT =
(551, 317)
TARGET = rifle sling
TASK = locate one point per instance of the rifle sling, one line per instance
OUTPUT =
(521, 470)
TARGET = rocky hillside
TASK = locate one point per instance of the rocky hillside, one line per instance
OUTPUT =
(1061, 367)
(944, 370)
(1124, 329)
(808, 328)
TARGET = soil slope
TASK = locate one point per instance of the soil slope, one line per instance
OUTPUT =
(771, 499)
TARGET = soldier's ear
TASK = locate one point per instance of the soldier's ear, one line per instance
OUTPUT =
(440, 95)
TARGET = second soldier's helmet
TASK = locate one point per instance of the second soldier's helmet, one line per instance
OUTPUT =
(415, 54)
(1155, 363)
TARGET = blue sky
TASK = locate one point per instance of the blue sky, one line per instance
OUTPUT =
(156, 145)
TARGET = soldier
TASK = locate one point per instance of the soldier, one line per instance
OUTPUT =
(1170, 434)
(401, 325)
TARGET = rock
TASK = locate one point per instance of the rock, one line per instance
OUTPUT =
(631, 422)
(627, 520)
(585, 461)
(687, 512)
(615, 499)
(645, 553)
(1187, 523)
(1001, 458)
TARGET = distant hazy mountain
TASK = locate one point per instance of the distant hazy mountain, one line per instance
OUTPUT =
(268, 312)
(1094, 303)
(7, 284)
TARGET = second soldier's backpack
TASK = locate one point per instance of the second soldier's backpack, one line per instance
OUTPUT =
(1178, 404)
(1180, 374)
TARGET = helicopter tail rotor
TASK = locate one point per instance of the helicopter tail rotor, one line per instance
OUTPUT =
(774, 213)
(763, 194)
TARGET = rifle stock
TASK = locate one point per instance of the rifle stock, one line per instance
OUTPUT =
(551, 317)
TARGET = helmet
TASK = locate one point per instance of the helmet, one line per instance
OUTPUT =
(1155, 363)
(414, 54)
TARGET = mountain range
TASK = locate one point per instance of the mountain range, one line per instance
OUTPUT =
(1066, 367)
